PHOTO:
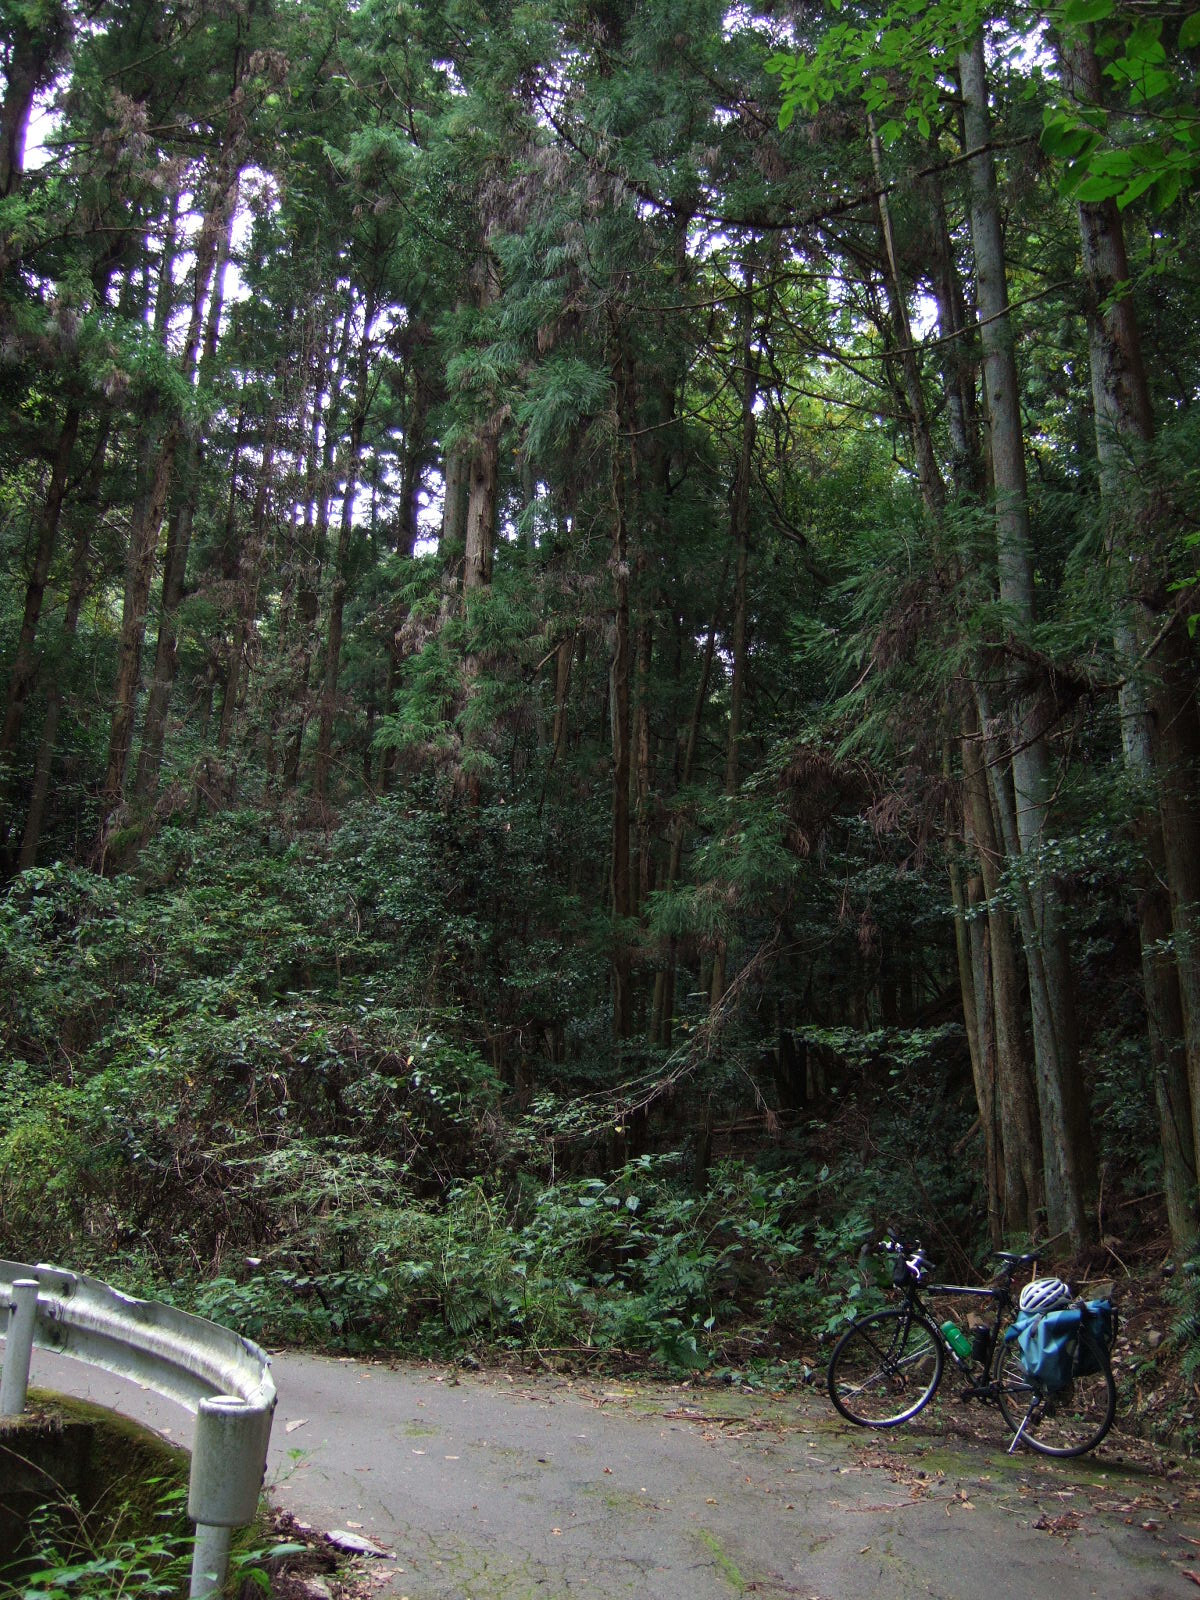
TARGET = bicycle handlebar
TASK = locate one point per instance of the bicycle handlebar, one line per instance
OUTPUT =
(918, 1263)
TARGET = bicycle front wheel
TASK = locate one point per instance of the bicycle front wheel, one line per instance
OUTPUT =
(1060, 1422)
(885, 1368)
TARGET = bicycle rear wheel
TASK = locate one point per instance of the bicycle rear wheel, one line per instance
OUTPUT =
(885, 1368)
(1062, 1422)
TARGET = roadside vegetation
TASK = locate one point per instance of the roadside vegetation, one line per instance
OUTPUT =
(598, 632)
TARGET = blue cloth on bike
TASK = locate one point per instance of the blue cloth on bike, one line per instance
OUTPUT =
(1100, 1320)
(1047, 1344)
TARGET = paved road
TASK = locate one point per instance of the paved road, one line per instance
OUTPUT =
(489, 1487)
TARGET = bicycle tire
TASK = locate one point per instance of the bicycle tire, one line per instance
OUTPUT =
(1066, 1422)
(885, 1368)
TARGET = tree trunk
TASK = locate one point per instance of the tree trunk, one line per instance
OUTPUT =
(337, 597)
(962, 411)
(904, 355)
(978, 1016)
(455, 478)
(1016, 1097)
(76, 590)
(24, 667)
(483, 488)
(179, 534)
(739, 518)
(249, 574)
(619, 699)
(160, 447)
(1066, 1132)
(149, 506)
(1124, 423)
(318, 488)
(36, 35)
(664, 983)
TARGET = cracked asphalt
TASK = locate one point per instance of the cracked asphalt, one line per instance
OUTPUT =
(503, 1486)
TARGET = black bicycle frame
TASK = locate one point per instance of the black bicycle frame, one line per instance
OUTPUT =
(1000, 1296)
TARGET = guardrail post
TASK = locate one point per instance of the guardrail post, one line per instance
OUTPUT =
(229, 1454)
(210, 1561)
(18, 1347)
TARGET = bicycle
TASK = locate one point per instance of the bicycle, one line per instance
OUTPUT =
(887, 1366)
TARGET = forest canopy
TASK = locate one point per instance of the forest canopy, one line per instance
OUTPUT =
(598, 632)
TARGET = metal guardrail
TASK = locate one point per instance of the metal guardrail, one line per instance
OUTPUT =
(223, 1379)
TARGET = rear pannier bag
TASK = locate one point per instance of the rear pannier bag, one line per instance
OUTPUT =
(1100, 1320)
(1047, 1345)
(1049, 1342)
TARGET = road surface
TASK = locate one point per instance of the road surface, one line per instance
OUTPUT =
(491, 1486)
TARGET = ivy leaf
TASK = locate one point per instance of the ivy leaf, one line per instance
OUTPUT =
(1189, 32)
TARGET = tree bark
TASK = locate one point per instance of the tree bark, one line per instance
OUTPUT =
(1020, 1168)
(1067, 1144)
(179, 534)
(307, 578)
(483, 488)
(337, 597)
(664, 982)
(76, 591)
(1170, 883)
(739, 519)
(246, 583)
(161, 446)
(619, 699)
(24, 667)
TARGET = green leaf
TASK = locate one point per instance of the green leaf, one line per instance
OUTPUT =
(1113, 164)
(1066, 140)
(1098, 188)
(1078, 13)
(1139, 186)
(1189, 32)
(1153, 81)
(1166, 190)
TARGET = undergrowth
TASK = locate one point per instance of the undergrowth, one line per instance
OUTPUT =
(318, 1092)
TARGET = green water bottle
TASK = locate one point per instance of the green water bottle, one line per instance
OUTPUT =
(956, 1339)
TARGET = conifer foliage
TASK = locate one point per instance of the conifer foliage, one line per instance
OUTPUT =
(589, 584)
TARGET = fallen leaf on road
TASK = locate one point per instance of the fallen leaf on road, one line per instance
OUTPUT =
(296, 1422)
(1067, 1523)
(354, 1544)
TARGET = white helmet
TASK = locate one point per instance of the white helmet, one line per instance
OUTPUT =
(1044, 1294)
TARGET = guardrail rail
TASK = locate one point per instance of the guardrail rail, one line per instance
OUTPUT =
(222, 1378)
